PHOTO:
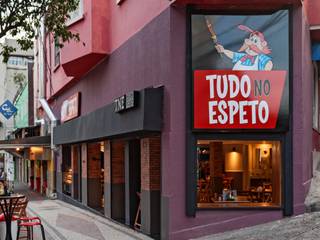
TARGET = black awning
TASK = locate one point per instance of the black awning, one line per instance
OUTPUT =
(41, 141)
(107, 121)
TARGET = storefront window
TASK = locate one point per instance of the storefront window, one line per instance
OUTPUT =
(96, 175)
(232, 173)
(66, 171)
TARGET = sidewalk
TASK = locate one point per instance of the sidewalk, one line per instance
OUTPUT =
(63, 221)
(302, 227)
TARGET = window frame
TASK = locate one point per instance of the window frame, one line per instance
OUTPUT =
(316, 97)
(56, 53)
(285, 137)
(119, 2)
(15, 60)
(251, 137)
(74, 19)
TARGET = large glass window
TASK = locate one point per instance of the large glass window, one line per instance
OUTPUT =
(66, 170)
(233, 173)
(15, 61)
(56, 52)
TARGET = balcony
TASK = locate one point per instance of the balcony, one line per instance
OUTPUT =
(312, 8)
(77, 58)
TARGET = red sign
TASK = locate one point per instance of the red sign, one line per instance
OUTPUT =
(228, 99)
(70, 108)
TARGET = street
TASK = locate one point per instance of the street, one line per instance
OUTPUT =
(302, 227)
(63, 221)
(66, 222)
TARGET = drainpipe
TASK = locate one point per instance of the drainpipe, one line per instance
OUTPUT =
(42, 99)
(53, 120)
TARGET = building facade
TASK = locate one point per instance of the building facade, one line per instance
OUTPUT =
(14, 81)
(186, 119)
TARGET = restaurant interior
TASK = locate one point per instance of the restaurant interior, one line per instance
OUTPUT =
(236, 174)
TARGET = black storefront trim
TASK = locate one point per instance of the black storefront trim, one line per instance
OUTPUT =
(192, 135)
(105, 122)
(35, 141)
(241, 208)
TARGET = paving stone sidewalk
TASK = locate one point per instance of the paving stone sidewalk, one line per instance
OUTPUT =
(63, 221)
(302, 227)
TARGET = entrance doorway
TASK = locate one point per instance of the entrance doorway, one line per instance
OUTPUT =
(126, 181)
(133, 182)
(66, 170)
(96, 176)
(76, 171)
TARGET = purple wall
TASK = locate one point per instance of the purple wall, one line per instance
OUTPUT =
(157, 56)
(302, 109)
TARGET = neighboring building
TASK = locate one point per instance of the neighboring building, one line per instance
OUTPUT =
(13, 79)
(199, 112)
(28, 153)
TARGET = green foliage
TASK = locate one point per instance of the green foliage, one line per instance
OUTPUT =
(19, 79)
(22, 19)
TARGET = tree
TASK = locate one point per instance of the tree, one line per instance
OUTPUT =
(22, 19)
(19, 79)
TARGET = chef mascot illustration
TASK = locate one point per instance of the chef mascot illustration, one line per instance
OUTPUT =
(253, 55)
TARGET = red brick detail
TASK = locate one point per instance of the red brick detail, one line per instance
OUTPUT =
(117, 162)
(107, 161)
(94, 164)
(216, 159)
(150, 163)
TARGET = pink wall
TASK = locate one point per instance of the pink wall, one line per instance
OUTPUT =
(93, 30)
(104, 28)
(56, 78)
(312, 9)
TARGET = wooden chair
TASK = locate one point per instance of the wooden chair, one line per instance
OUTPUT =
(20, 211)
(21, 208)
(29, 223)
(137, 223)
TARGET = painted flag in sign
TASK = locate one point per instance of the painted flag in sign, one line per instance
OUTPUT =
(8, 109)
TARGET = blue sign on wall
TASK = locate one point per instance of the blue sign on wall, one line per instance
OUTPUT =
(8, 109)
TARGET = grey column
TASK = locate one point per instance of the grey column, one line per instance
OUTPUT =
(58, 160)
(84, 189)
(107, 179)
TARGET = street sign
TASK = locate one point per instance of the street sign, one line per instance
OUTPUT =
(8, 109)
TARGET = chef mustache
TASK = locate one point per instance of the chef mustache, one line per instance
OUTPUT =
(252, 47)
